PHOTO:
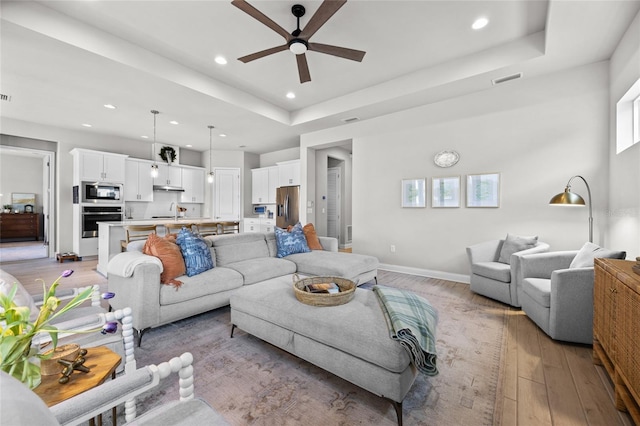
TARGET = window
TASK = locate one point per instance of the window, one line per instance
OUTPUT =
(628, 118)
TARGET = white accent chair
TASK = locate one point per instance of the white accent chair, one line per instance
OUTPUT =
(22, 406)
(494, 279)
(557, 291)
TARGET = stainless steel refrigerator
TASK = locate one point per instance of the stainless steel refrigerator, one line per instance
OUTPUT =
(288, 206)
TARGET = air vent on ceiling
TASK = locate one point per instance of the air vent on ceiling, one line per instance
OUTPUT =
(506, 78)
(4, 97)
(350, 119)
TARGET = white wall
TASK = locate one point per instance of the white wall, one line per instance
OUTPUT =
(624, 168)
(536, 133)
(23, 175)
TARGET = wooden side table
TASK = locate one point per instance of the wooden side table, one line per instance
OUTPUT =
(100, 360)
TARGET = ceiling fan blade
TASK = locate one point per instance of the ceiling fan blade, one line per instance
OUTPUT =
(303, 68)
(263, 53)
(255, 13)
(342, 52)
(322, 15)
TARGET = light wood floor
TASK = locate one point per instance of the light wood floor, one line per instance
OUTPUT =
(545, 382)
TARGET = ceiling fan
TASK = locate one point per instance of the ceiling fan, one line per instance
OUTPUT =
(298, 41)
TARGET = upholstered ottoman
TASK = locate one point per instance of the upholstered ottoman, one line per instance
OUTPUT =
(351, 340)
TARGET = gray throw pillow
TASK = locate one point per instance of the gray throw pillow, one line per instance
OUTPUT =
(513, 244)
(589, 251)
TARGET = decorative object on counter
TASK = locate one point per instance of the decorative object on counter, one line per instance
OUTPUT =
(154, 166)
(7, 208)
(19, 356)
(636, 267)
(28, 208)
(446, 158)
(70, 366)
(210, 177)
(569, 198)
(168, 154)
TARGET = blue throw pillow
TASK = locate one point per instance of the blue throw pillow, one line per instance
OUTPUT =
(291, 242)
(196, 253)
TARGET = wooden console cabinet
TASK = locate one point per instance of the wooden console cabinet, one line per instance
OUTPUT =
(616, 330)
(19, 225)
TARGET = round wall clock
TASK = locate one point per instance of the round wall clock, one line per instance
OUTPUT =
(446, 158)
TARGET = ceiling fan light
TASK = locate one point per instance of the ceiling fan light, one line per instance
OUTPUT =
(298, 46)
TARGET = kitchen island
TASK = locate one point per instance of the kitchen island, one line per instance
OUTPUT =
(111, 233)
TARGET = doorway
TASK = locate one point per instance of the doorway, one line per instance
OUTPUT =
(334, 197)
(36, 170)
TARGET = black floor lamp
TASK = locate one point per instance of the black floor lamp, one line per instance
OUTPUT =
(568, 198)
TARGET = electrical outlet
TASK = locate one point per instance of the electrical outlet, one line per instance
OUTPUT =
(392, 248)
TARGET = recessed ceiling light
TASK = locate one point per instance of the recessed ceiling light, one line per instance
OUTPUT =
(109, 106)
(480, 23)
(223, 135)
(188, 145)
(173, 122)
(291, 95)
(86, 125)
(144, 137)
(221, 60)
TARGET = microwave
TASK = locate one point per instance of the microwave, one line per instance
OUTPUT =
(101, 192)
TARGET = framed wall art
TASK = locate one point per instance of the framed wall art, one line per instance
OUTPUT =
(20, 199)
(483, 190)
(445, 191)
(413, 193)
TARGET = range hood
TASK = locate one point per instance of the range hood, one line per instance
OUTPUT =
(167, 188)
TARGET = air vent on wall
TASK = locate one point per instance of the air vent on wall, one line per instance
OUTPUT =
(504, 79)
(349, 120)
(4, 97)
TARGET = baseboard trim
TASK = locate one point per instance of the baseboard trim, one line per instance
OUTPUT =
(425, 273)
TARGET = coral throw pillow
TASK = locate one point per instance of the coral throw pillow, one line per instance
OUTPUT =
(196, 253)
(312, 237)
(170, 255)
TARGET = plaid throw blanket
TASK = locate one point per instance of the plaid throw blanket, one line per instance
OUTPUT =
(412, 322)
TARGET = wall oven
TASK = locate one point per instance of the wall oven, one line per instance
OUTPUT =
(101, 192)
(91, 215)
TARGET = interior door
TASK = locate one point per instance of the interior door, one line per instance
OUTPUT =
(333, 202)
(226, 194)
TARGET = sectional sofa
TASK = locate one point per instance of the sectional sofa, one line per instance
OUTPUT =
(240, 260)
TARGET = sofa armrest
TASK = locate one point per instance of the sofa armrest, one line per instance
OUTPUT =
(329, 243)
(488, 251)
(140, 292)
(571, 304)
(541, 265)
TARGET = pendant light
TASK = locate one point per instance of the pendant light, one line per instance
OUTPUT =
(154, 166)
(210, 178)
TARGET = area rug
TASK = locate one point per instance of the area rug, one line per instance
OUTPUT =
(251, 382)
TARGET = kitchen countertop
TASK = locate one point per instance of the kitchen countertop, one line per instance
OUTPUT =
(159, 221)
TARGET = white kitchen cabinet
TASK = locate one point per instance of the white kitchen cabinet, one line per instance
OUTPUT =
(193, 184)
(251, 224)
(138, 184)
(259, 224)
(168, 175)
(98, 166)
(289, 173)
(264, 182)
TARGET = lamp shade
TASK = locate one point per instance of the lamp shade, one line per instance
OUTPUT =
(567, 198)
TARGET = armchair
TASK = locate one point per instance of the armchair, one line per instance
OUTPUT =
(21, 406)
(557, 291)
(491, 276)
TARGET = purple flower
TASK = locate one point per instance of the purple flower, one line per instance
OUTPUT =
(108, 295)
(110, 328)
(66, 273)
